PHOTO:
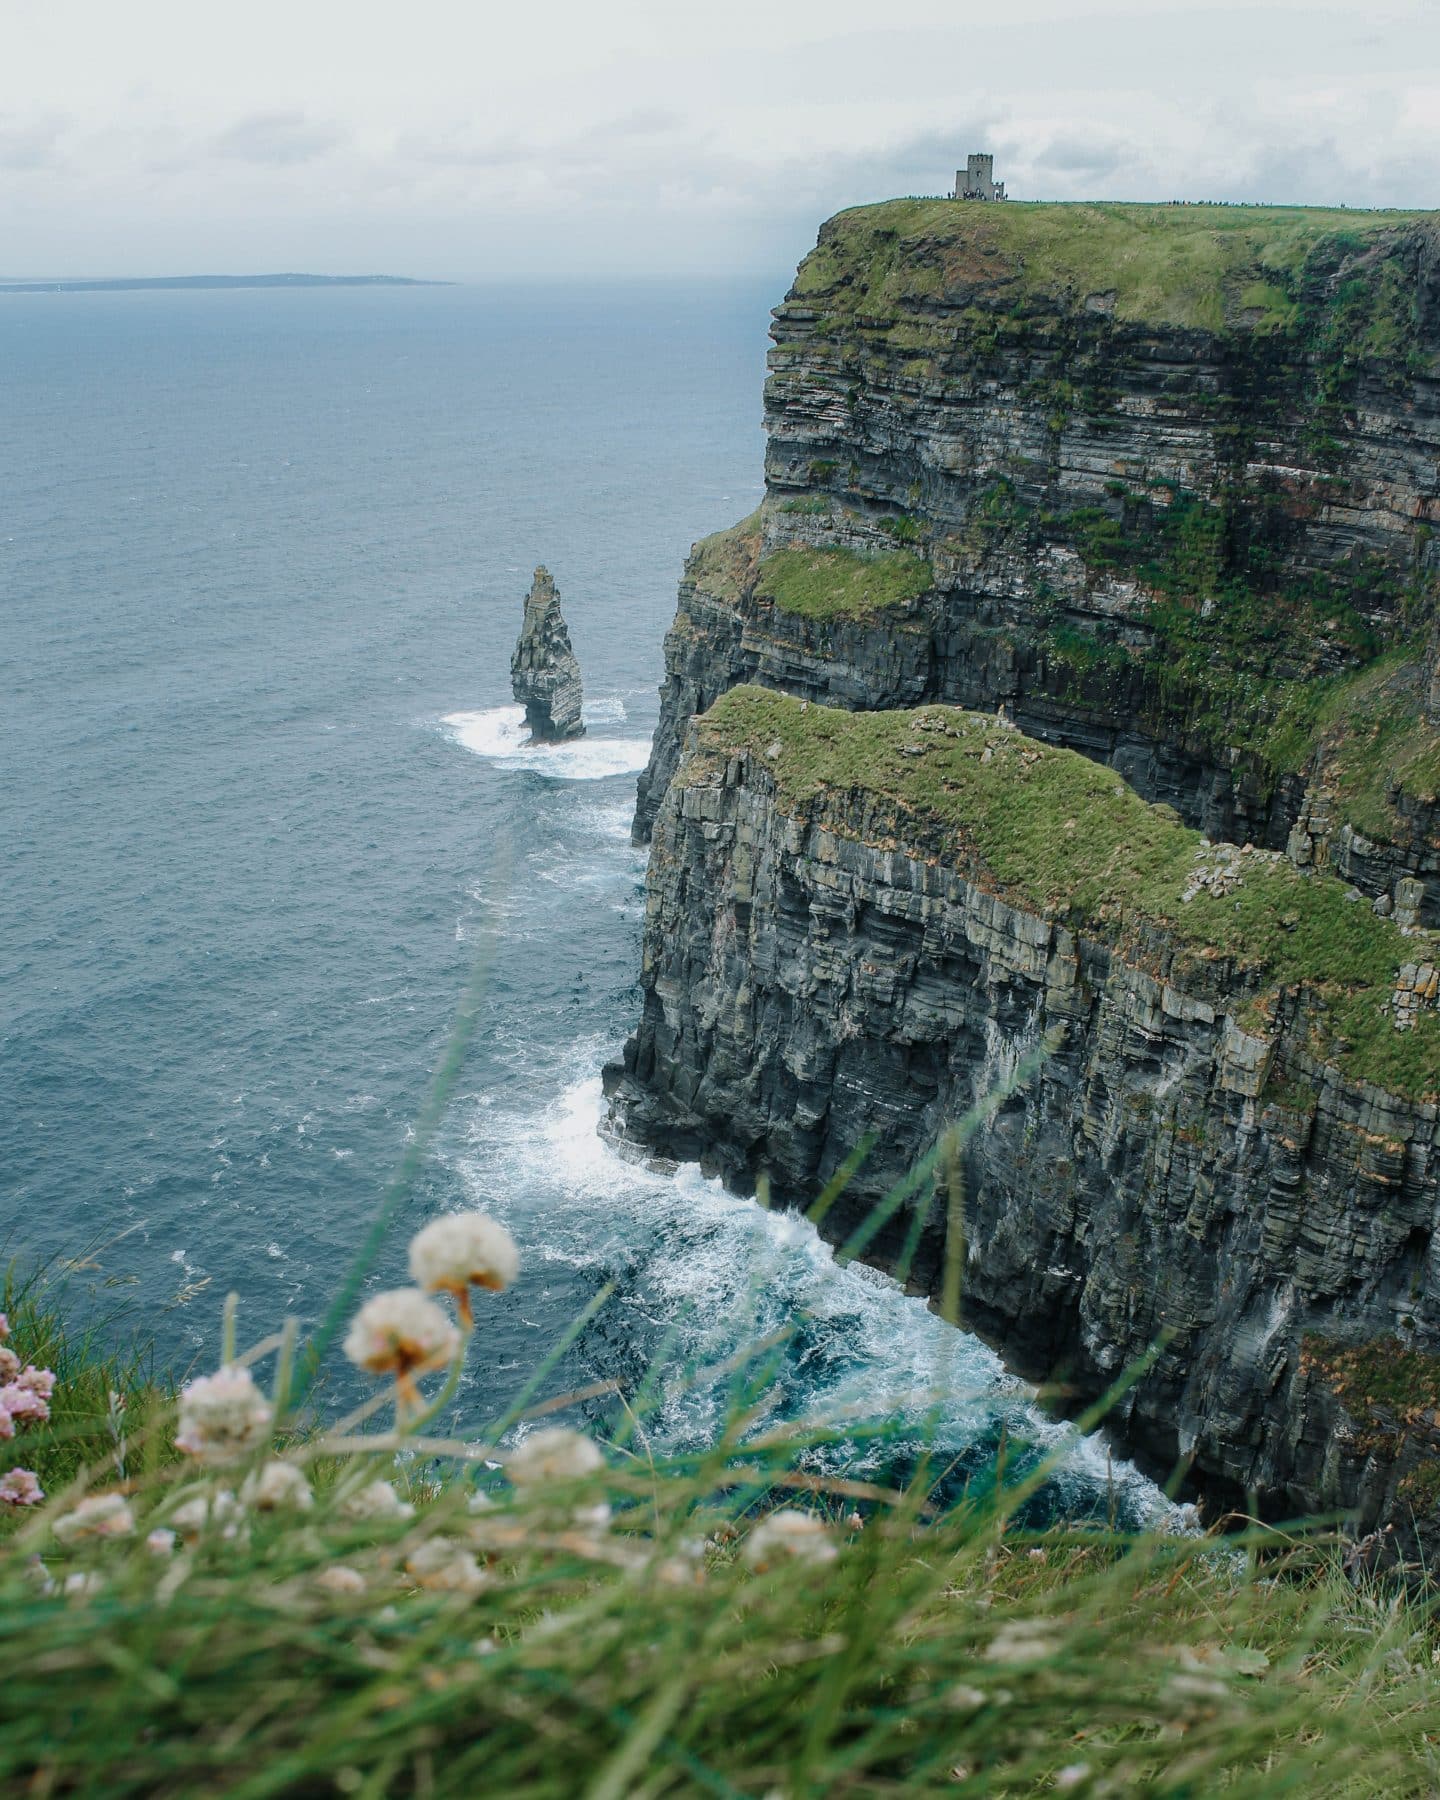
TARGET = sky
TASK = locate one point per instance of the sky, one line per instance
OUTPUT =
(599, 139)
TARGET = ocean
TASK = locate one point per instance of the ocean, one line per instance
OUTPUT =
(266, 798)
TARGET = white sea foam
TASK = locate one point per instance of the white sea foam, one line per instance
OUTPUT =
(722, 1274)
(498, 734)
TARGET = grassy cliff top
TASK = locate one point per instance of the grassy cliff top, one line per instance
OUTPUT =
(1199, 266)
(1069, 838)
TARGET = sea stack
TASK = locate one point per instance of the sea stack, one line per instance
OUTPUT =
(544, 675)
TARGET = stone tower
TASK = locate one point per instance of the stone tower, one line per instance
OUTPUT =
(976, 181)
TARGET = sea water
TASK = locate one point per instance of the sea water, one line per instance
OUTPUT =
(266, 800)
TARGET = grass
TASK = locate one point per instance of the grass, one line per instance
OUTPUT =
(1377, 743)
(656, 1653)
(1066, 837)
(841, 584)
(108, 1394)
(724, 563)
(1202, 267)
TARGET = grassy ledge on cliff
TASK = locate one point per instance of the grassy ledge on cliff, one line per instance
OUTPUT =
(1066, 836)
(1201, 267)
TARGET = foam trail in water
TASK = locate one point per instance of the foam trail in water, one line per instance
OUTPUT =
(499, 735)
(723, 1274)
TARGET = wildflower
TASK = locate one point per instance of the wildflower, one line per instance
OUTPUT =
(9, 1365)
(1073, 1775)
(23, 1403)
(377, 1501)
(224, 1417)
(788, 1533)
(554, 1454)
(4, 1328)
(81, 1584)
(191, 1518)
(401, 1333)
(443, 1565)
(160, 1542)
(275, 1487)
(1024, 1641)
(964, 1698)
(7, 1424)
(101, 1516)
(39, 1381)
(340, 1578)
(462, 1251)
(20, 1488)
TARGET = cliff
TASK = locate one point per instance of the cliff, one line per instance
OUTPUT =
(544, 674)
(1158, 484)
(857, 925)
(1160, 480)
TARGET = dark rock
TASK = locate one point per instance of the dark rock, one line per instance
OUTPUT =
(807, 981)
(544, 675)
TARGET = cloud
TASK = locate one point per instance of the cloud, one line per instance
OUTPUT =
(277, 139)
(34, 145)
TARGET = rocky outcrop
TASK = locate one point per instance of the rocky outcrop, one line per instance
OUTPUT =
(1196, 1162)
(544, 675)
(1160, 524)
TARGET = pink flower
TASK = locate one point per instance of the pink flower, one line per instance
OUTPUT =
(20, 1488)
(39, 1381)
(9, 1365)
(4, 1328)
(22, 1402)
(7, 1424)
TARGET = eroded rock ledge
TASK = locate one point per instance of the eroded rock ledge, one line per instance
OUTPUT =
(858, 924)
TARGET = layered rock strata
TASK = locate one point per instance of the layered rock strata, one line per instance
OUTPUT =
(544, 673)
(858, 928)
(1171, 476)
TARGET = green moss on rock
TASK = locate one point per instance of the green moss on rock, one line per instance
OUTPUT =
(839, 583)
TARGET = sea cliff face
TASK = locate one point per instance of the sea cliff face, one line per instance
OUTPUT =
(1157, 485)
(1171, 476)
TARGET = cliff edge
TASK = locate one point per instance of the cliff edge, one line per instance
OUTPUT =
(1157, 486)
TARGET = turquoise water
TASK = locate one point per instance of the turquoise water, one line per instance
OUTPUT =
(262, 559)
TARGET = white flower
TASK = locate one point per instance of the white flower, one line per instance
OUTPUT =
(461, 1251)
(442, 1564)
(788, 1533)
(340, 1578)
(101, 1516)
(400, 1333)
(160, 1542)
(555, 1454)
(377, 1501)
(224, 1417)
(278, 1485)
(81, 1585)
(191, 1518)
(1022, 1641)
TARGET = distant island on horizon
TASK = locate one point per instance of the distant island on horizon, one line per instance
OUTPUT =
(126, 284)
